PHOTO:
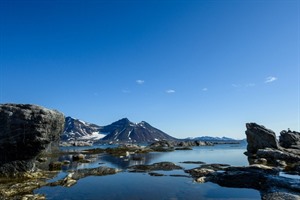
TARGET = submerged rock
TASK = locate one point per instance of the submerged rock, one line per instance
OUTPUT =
(205, 169)
(193, 162)
(22, 188)
(166, 166)
(25, 131)
(72, 177)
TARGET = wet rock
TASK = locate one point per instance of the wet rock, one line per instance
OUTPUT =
(279, 196)
(259, 137)
(93, 151)
(72, 177)
(201, 179)
(155, 174)
(289, 139)
(85, 161)
(33, 197)
(180, 175)
(55, 166)
(275, 154)
(166, 166)
(192, 143)
(162, 146)
(193, 162)
(293, 168)
(199, 172)
(260, 161)
(126, 150)
(205, 169)
(169, 145)
(78, 157)
(25, 132)
(183, 148)
(43, 159)
(242, 177)
(99, 171)
(215, 166)
(16, 190)
(66, 162)
(259, 177)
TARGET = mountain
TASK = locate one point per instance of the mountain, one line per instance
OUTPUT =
(76, 129)
(125, 130)
(209, 138)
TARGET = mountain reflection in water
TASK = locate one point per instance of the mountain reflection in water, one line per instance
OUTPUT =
(126, 185)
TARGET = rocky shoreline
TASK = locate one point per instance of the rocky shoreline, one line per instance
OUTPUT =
(30, 157)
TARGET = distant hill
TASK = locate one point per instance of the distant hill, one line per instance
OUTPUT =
(127, 131)
(209, 138)
(76, 129)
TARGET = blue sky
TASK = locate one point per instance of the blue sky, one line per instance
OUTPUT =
(189, 68)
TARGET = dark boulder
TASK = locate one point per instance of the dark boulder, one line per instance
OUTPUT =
(25, 131)
(259, 137)
(289, 139)
(259, 177)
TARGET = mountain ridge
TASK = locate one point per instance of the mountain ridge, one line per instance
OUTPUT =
(125, 130)
(122, 130)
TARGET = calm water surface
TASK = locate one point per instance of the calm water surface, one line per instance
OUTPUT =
(136, 186)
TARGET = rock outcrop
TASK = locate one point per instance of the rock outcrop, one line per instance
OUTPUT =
(72, 177)
(264, 148)
(165, 166)
(26, 131)
(265, 179)
(259, 137)
(289, 139)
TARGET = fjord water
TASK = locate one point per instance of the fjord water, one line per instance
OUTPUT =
(126, 185)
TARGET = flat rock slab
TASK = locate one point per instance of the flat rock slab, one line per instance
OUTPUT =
(166, 166)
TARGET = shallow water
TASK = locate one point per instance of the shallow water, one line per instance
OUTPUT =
(126, 185)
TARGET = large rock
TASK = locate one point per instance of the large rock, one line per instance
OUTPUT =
(264, 179)
(272, 155)
(289, 139)
(25, 131)
(259, 137)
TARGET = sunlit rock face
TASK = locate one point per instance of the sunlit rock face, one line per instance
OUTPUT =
(25, 132)
(259, 137)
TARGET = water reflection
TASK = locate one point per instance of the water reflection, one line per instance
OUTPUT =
(133, 159)
(96, 160)
(127, 185)
(225, 154)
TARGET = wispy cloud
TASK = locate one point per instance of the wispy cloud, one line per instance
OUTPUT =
(140, 82)
(204, 89)
(250, 85)
(126, 91)
(235, 85)
(170, 91)
(270, 79)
